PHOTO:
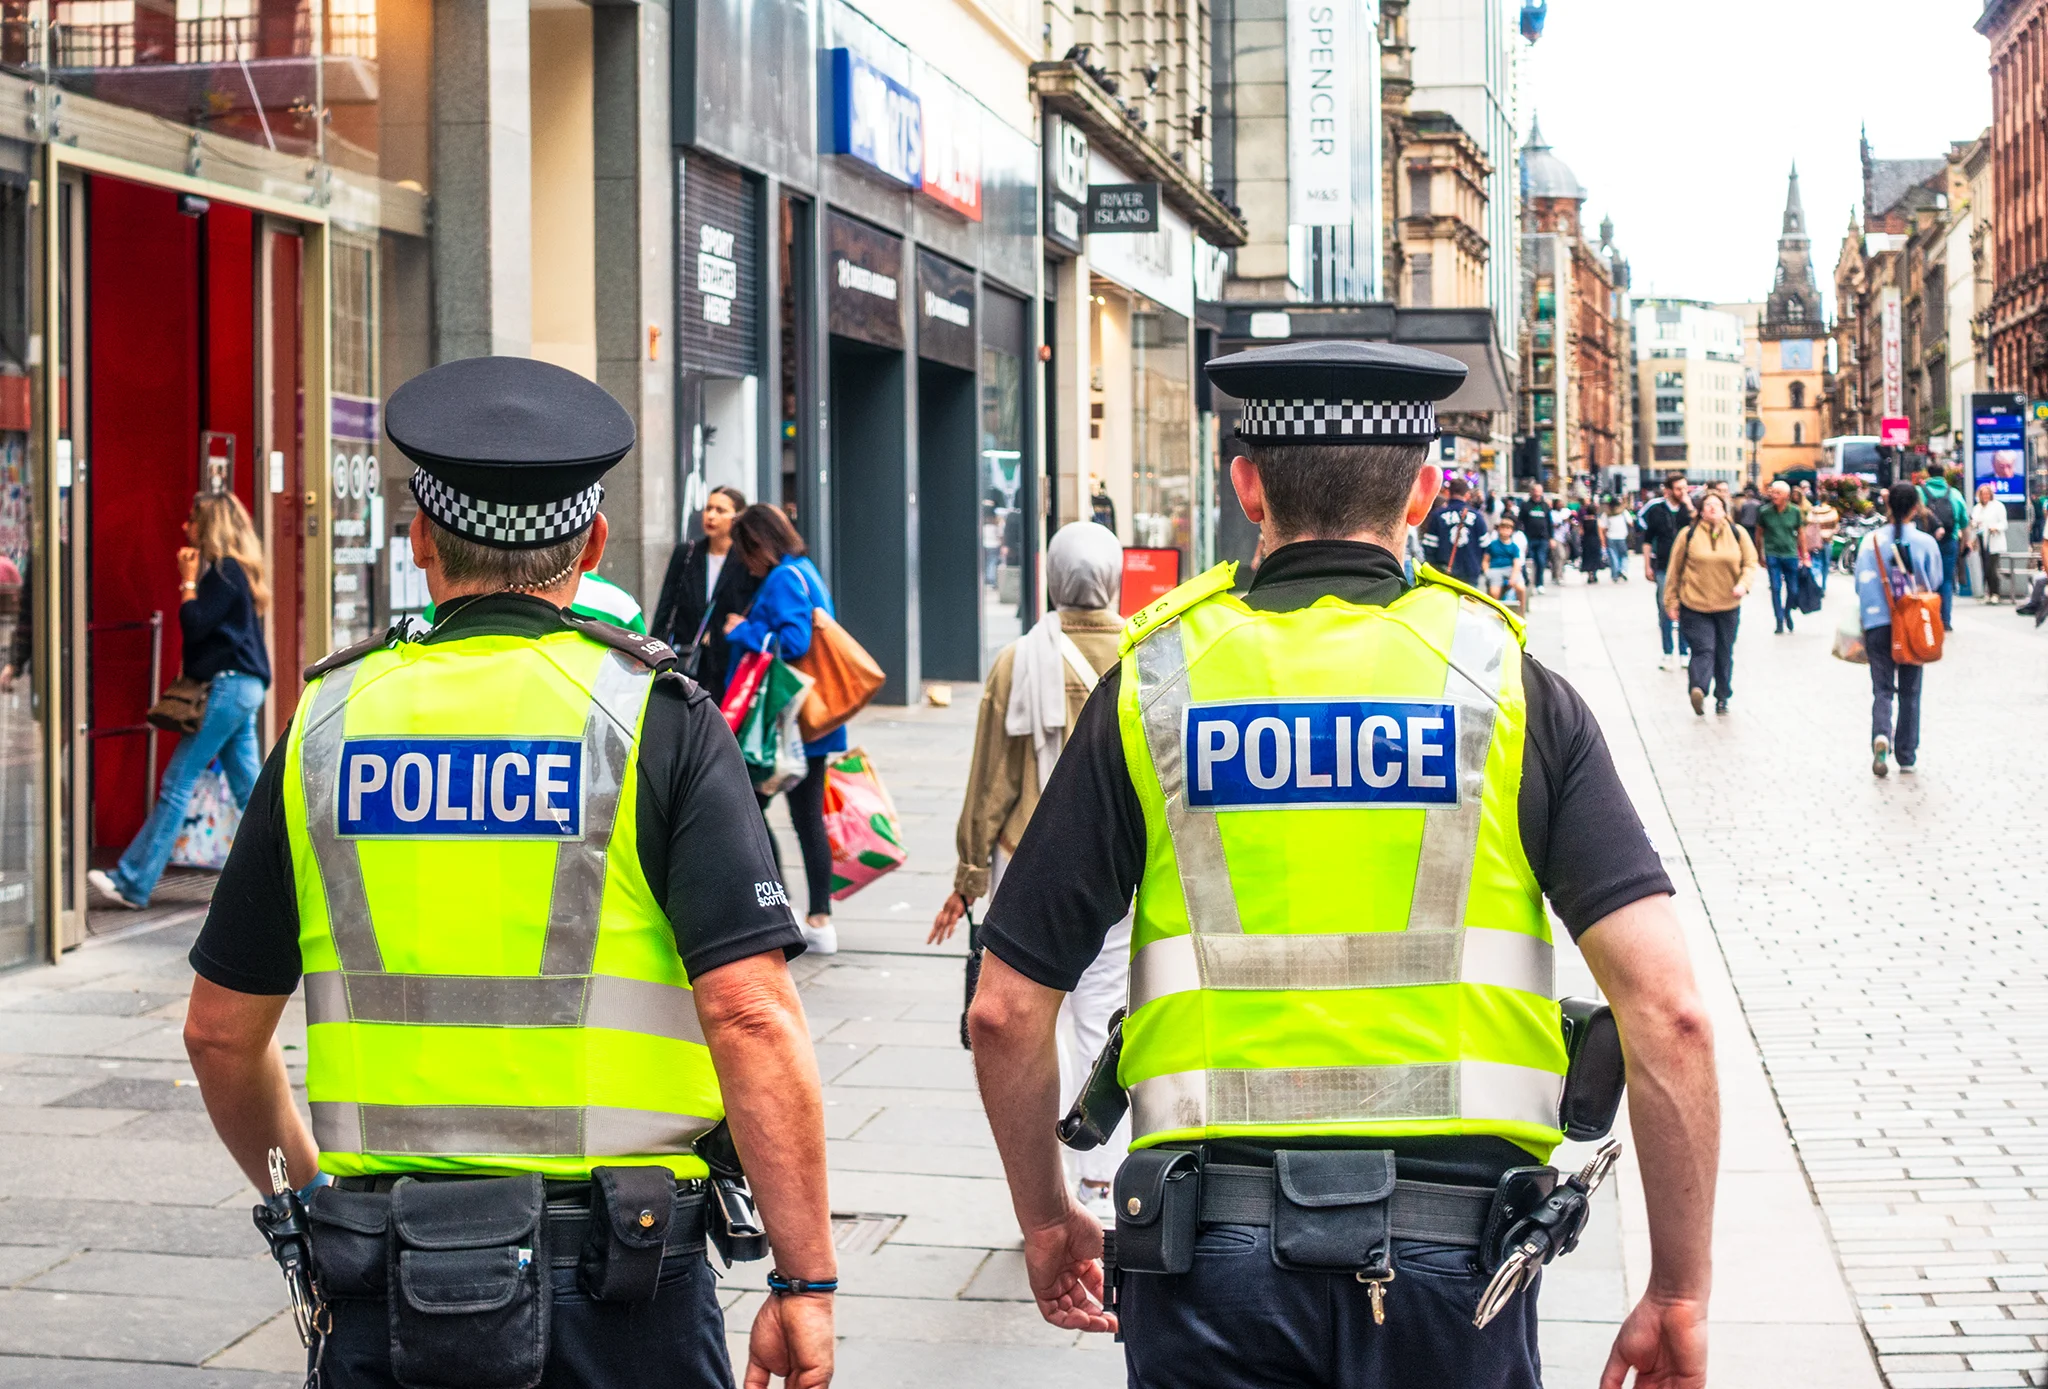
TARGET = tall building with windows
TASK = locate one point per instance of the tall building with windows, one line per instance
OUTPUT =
(1792, 373)
(1573, 387)
(1690, 390)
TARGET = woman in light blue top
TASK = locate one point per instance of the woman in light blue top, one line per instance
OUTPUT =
(1912, 560)
(780, 621)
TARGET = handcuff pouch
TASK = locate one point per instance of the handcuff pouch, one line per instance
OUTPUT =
(1333, 1210)
(630, 1211)
(468, 1273)
(348, 1231)
(1158, 1210)
(1521, 1190)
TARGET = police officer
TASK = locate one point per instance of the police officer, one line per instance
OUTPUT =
(517, 868)
(1340, 802)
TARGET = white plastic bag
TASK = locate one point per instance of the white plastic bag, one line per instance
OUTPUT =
(1849, 636)
(211, 819)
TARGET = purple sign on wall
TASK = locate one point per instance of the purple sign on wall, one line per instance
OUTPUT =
(354, 417)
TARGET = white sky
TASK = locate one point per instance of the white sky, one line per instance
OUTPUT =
(1682, 120)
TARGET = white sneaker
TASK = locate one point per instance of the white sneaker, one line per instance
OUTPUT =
(820, 940)
(1095, 1200)
(1880, 749)
(102, 882)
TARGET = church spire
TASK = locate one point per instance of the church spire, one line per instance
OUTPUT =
(1795, 212)
(1794, 308)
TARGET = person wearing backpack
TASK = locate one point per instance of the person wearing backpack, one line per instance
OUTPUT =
(1896, 559)
(1946, 520)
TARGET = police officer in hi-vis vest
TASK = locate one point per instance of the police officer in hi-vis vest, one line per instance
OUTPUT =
(517, 867)
(1340, 802)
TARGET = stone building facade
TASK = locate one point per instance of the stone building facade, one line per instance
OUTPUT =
(1574, 384)
(2018, 316)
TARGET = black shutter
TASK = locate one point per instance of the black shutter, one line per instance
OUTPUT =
(718, 270)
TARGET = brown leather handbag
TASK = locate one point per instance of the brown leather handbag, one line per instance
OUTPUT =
(845, 677)
(1917, 633)
(181, 707)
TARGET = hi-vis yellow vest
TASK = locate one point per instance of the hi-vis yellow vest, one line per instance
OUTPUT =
(1337, 931)
(491, 984)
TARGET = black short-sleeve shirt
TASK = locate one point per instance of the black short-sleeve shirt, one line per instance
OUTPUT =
(1077, 868)
(702, 843)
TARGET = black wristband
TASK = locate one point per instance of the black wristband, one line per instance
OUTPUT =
(789, 1287)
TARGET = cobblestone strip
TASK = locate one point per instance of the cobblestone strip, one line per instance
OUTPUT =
(1887, 940)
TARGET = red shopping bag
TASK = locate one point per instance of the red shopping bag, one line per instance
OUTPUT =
(744, 687)
(861, 823)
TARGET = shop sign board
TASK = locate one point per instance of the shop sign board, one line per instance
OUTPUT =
(1998, 444)
(945, 311)
(1066, 182)
(1321, 61)
(876, 119)
(717, 273)
(952, 143)
(1896, 430)
(1123, 207)
(1149, 575)
(864, 280)
(1892, 356)
(1158, 264)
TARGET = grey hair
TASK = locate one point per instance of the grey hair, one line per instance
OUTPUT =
(465, 561)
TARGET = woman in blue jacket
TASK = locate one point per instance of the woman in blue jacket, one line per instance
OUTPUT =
(1912, 560)
(780, 621)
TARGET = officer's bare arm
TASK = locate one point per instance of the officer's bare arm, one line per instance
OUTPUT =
(1638, 956)
(1017, 1062)
(232, 1041)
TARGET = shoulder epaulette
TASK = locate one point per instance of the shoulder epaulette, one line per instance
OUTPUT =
(1150, 619)
(349, 655)
(651, 652)
(1425, 574)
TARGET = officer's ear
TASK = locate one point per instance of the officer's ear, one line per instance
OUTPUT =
(1251, 493)
(424, 555)
(593, 545)
(1429, 480)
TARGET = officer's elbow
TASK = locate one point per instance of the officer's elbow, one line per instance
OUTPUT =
(748, 1001)
(1676, 1024)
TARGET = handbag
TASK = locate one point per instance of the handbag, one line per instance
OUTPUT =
(1917, 633)
(1806, 590)
(845, 677)
(211, 819)
(769, 741)
(181, 707)
(973, 977)
(860, 823)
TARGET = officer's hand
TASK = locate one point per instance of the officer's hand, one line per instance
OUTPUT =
(949, 917)
(1064, 1263)
(792, 1338)
(1665, 1343)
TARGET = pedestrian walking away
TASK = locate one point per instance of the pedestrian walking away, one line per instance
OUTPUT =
(1036, 689)
(1661, 521)
(1592, 542)
(1910, 559)
(1946, 519)
(1822, 521)
(516, 866)
(1987, 537)
(220, 622)
(1782, 524)
(1456, 535)
(1617, 525)
(1713, 566)
(1268, 1232)
(701, 590)
(1533, 520)
(780, 620)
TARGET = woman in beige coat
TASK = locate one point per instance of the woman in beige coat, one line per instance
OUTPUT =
(1034, 695)
(1713, 565)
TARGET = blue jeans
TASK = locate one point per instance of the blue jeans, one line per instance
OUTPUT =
(1948, 581)
(228, 731)
(1784, 572)
(1539, 555)
(1887, 678)
(1820, 568)
(1617, 558)
(1235, 1321)
(1667, 627)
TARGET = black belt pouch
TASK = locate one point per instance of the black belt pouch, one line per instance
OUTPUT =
(469, 1283)
(1158, 1210)
(348, 1236)
(1332, 1211)
(630, 1210)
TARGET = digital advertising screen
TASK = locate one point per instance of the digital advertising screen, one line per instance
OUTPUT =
(1998, 453)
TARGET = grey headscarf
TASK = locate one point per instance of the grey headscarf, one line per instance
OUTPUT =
(1084, 567)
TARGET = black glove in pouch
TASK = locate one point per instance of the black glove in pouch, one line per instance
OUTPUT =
(347, 1230)
(1332, 1211)
(1158, 1210)
(630, 1209)
(470, 1296)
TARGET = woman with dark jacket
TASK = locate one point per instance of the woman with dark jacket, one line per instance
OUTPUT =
(1592, 543)
(779, 620)
(700, 591)
(220, 579)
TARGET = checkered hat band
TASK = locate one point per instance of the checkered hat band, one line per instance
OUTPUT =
(507, 525)
(1339, 419)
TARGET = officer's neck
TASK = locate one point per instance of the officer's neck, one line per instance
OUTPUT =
(1271, 538)
(443, 592)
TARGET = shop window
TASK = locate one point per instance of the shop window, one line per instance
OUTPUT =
(1162, 474)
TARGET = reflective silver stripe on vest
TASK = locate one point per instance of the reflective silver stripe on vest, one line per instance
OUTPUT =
(1327, 1095)
(619, 691)
(1361, 960)
(1450, 834)
(452, 1130)
(341, 869)
(471, 1000)
(1197, 839)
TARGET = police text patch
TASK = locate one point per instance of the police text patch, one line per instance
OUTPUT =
(441, 788)
(1267, 754)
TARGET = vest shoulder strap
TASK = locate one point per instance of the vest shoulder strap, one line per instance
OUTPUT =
(349, 655)
(1426, 575)
(652, 652)
(1149, 620)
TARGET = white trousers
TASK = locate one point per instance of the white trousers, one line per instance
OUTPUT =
(1083, 1028)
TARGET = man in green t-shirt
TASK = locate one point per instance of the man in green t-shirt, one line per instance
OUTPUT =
(1783, 528)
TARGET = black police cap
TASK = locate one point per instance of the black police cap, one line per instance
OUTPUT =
(510, 451)
(1332, 392)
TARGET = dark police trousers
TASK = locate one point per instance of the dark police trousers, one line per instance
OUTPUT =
(1236, 1322)
(676, 1341)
